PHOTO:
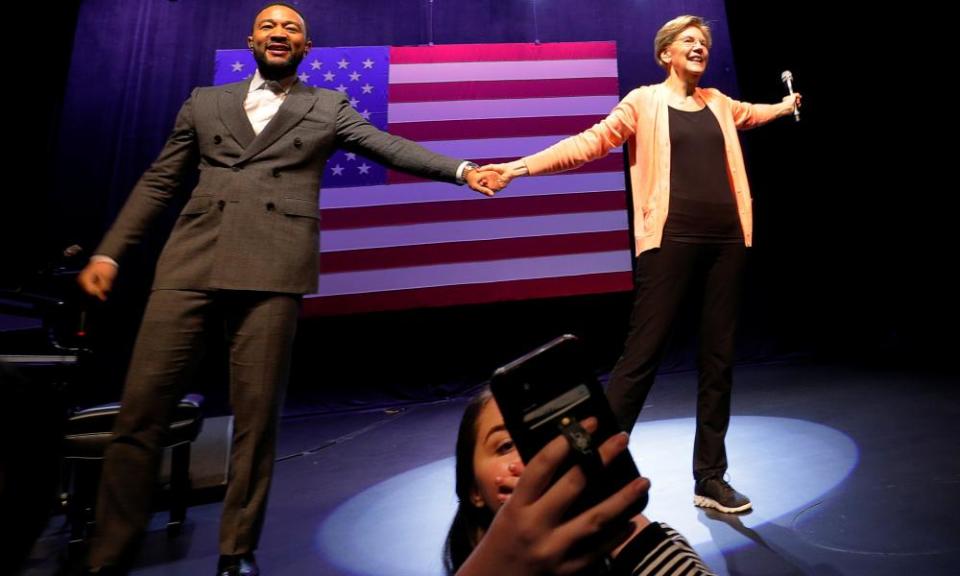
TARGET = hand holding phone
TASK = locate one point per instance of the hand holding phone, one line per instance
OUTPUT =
(534, 533)
(547, 393)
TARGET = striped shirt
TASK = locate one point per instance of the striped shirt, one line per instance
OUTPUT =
(659, 550)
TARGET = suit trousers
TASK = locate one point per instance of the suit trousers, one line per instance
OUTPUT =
(665, 277)
(258, 329)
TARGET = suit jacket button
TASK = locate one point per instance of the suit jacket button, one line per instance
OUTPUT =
(298, 142)
(221, 204)
(217, 139)
(270, 206)
(236, 168)
(276, 172)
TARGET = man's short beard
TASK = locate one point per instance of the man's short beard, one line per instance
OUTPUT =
(274, 71)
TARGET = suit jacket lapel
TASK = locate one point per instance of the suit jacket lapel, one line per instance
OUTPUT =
(295, 106)
(232, 114)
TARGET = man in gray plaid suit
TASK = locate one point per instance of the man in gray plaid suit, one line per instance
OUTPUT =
(242, 252)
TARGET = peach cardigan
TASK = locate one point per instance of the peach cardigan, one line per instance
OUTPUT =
(640, 121)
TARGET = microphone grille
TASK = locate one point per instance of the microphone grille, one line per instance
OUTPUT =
(72, 250)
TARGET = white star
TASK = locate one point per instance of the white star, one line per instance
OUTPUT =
(364, 168)
(367, 88)
(304, 77)
(365, 114)
(354, 76)
(343, 63)
(351, 156)
(315, 65)
(237, 66)
(337, 170)
(248, 76)
(368, 63)
(354, 102)
(342, 88)
(328, 76)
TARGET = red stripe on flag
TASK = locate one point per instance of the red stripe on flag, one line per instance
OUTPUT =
(609, 163)
(484, 90)
(494, 128)
(468, 294)
(476, 251)
(504, 207)
(502, 52)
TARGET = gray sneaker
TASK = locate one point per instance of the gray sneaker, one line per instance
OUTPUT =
(717, 493)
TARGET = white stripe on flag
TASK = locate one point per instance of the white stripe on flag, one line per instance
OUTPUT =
(469, 230)
(509, 108)
(496, 147)
(420, 192)
(474, 272)
(500, 71)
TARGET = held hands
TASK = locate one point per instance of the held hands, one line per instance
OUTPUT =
(502, 171)
(96, 279)
(495, 177)
(530, 534)
(507, 171)
(485, 180)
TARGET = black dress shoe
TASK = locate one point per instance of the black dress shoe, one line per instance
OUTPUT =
(238, 565)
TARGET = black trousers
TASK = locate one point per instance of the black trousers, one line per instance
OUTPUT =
(665, 277)
(258, 329)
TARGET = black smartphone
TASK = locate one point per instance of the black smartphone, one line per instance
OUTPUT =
(538, 395)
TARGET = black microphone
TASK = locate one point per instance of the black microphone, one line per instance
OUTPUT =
(787, 78)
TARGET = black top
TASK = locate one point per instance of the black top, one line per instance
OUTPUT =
(702, 207)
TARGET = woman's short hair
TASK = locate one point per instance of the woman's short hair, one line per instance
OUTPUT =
(669, 32)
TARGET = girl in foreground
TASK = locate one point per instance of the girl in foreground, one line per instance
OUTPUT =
(511, 519)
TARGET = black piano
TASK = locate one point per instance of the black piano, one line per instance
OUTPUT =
(41, 357)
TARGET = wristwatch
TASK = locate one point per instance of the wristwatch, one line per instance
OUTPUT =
(467, 168)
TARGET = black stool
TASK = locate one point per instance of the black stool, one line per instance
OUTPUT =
(88, 433)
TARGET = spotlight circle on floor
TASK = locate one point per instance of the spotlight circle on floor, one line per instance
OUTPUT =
(398, 526)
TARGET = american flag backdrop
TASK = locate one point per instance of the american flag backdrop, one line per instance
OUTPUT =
(392, 241)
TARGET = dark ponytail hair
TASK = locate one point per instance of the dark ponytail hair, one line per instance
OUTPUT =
(470, 522)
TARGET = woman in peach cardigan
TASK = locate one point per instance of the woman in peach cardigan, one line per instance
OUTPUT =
(692, 224)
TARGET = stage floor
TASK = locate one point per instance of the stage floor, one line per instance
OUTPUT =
(852, 470)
